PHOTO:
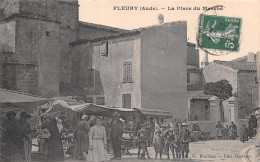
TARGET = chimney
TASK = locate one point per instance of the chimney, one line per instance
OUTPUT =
(251, 57)
(161, 19)
(205, 60)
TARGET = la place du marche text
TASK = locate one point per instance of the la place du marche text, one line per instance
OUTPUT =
(152, 8)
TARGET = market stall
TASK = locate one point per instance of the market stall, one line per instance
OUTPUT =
(18, 102)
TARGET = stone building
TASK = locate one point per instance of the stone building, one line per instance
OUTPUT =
(242, 77)
(34, 45)
(46, 50)
(142, 68)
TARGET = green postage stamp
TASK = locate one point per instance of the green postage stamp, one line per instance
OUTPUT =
(219, 33)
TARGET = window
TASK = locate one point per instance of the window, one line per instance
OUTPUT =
(104, 49)
(127, 72)
(207, 113)
(255, 61)
(100, 100)
(241, 113)
(188, 77)
(126, 100)
(48, 33)
(89, 100)
(90, 77)
(256, 80)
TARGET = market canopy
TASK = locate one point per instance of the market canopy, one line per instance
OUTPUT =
(60, 106)
(9, 97)
(89, 108)
(156, 112)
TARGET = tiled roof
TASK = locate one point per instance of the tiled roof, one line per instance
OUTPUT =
(194, 87)
(238, 66)
(191, 44)
(103, 38)
(101, 27)
(31, 17)
(240, 59)
(118, 33)
(198, 95)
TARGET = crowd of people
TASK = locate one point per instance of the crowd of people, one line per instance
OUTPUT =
(91, 135)
(230, 131)
(16, 138)
(172, 137)
(89, 138)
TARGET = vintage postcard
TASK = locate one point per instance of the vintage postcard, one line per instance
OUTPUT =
(129, 80)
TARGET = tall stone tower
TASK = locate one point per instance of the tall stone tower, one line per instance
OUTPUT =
(34, 45)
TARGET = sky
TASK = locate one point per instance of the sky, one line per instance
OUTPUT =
(102, 12)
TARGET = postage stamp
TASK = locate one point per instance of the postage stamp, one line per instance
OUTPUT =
(219, 32)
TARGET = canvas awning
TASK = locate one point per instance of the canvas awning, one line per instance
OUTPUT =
(9, 97)
(89, 108)
(155, 112)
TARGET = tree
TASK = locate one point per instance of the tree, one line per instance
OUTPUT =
(222, 89)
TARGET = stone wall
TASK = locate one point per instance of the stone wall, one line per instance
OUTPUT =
(37, 43)
(246, 84)
(8, 8)
(7, 35)
(164, 68)
(66, 36)
(20, 78)
(215, 72)
(199, 110)
(106, 71)
(192, 55)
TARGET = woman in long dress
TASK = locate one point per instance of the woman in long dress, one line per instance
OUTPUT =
(54, 142)
(97, 142)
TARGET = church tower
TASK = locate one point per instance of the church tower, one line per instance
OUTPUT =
(34, 45)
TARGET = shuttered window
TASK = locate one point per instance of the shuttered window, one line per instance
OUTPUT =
(188, 77)
(90, 77)
(126, 100)
(127, 72)
(104, 49)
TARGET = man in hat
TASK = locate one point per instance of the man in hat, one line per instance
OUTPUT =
(11, 138)
(81, 136)
(185, 138)
(116, 135)
(169, 138)
(26, 135)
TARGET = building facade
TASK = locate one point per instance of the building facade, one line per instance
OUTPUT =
(242, 77)
(142, 68)
(34, 45)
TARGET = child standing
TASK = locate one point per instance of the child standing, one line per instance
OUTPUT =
(143, 139)
(158, 144)
(185, 138)
(177, 143)
(169, 137)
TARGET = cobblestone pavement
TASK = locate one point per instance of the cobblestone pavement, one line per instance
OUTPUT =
(212, 150)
